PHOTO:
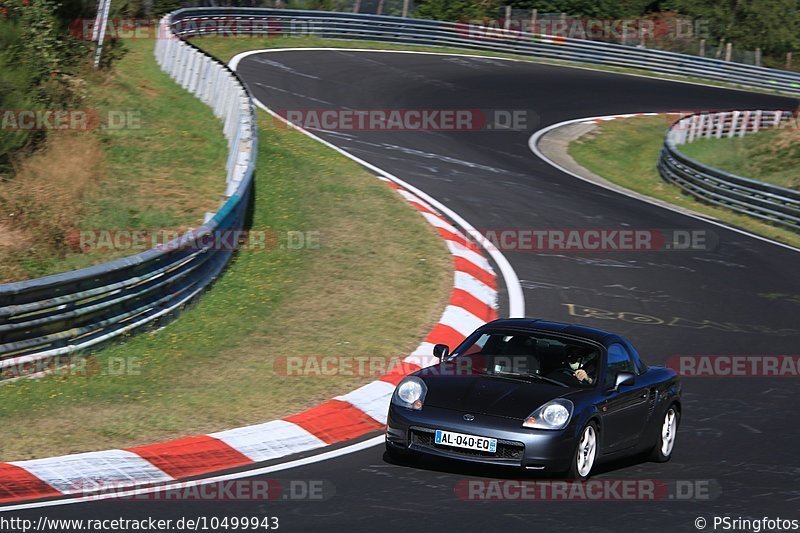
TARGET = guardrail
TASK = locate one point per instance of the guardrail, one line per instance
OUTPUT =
(765, 201)
(57, 315)
(226, 21)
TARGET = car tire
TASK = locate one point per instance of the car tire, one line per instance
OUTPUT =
(665, 444)
(585, 455)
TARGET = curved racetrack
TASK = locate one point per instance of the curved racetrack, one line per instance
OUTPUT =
(738, 432)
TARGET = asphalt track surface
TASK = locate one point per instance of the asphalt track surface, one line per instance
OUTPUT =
(739, 434)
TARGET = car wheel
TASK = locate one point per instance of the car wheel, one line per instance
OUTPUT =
(585, 453)
(662, 451)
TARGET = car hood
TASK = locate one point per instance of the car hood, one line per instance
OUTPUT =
(490, 395)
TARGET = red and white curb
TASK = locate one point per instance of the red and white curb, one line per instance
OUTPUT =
(473, 302)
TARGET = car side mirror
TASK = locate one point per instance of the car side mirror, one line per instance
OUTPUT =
(624, 378)
(441, 351)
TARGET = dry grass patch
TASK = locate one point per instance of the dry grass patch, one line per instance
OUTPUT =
(161, 167)
(43, 203)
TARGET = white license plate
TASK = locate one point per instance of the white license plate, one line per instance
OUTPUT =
(460, 440)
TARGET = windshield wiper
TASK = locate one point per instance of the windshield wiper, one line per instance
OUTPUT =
(549, 380)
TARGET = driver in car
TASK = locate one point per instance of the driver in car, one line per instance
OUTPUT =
(582, 364)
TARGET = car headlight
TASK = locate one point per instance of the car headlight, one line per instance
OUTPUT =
(555, 414)
(410, 393)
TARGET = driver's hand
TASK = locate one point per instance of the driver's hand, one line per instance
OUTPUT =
(581, 375)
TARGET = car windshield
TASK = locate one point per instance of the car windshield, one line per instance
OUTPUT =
(531, 355)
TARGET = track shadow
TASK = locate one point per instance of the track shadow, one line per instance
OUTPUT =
(464, 468)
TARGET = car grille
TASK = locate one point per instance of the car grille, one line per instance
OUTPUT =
(506, 449)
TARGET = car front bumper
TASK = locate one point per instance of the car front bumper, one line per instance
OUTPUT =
(533, 449)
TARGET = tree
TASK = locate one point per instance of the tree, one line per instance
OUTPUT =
(772, 25)
(457, 10)
(607, 9)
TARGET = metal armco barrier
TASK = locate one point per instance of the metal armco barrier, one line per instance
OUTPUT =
(771, 203)
(232, 21)
(57, 315)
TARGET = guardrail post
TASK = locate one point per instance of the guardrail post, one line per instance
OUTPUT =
(721, 117)
(233, 153)
(171, 57)
(734, 120)
(745, 124)
(190, 72)
(182, 66)
(195, 74)
(684, 125)
(215, 95)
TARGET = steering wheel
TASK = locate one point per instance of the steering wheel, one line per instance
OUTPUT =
(560, 373)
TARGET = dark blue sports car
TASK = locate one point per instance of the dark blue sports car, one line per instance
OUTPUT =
(537, 395)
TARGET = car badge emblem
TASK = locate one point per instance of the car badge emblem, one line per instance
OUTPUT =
(469, 418)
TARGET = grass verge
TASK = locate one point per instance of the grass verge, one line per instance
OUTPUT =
(625, 152)
(157, 162)
(375, 286)
(772, 156)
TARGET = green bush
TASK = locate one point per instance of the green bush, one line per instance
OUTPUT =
(15, 90)
(457, 10)
(39, 64)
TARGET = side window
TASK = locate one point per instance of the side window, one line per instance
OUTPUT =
(641, 368)
(619, 360)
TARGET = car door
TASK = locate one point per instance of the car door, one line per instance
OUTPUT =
(623, 412)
